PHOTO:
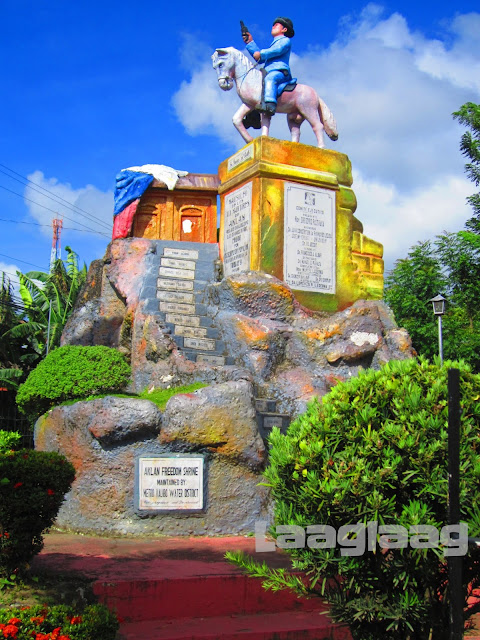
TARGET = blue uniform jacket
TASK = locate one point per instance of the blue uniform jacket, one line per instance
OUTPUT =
(277, 56)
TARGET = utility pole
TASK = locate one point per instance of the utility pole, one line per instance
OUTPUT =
(55, 254)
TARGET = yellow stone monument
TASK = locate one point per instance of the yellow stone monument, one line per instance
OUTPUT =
(287, 209)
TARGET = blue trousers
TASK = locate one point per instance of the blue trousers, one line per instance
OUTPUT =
(272, 80)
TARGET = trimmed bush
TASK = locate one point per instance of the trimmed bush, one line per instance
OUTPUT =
(72, 372)
(59, 622)
(375, 450)
(9, 440)
(32, 488)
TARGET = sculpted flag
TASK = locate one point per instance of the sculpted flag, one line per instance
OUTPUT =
(131, 184)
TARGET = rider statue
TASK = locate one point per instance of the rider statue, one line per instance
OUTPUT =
(276, 59)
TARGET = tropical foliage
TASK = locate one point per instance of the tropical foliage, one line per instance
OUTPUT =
(375, 451)
(32, 326)
(449, 265)
(469, 115)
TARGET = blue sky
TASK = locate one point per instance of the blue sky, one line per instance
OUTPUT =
(92, 88)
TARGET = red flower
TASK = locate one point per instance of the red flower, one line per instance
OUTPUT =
(10, 631)
(18, 484)
(14, 621)
(37, 619)
(76, 620)
(51, 492)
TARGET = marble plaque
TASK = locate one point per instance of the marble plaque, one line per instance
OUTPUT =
(218, 361)
(237, 230)
(170, 483)
(177, 307)
(188, 321)
(199, 343)
(177, 264)
(176, 296)
(168, 252)
(240, 157)
(176, 273)
(175, 285)
(190, 332)
(309, 255)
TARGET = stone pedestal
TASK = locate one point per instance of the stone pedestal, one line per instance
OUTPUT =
(287, 209)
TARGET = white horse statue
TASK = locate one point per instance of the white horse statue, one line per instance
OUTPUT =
(303, 103)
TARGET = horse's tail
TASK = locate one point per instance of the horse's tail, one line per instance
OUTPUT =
(328, 121)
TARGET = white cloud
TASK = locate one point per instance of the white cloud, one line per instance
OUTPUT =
(10, 271)
(89, 203)
(392, 91)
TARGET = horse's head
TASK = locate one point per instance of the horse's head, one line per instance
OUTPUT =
(224, 64)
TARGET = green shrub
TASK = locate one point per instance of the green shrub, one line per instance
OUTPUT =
(59, 622)
(32, 488)
(72, 372)
(9, 440)
(376, 450)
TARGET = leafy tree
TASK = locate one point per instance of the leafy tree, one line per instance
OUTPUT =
(469, 115)
(450, 266)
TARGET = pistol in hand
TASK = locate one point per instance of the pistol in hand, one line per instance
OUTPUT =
(245, 32)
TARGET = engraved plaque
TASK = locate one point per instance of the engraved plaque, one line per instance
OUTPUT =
(272, 421)
(176, 273)
(199, 343)
(176, 296)
(175, 285)
(190, 332)
(169, 483)
(168, 252)
(177, 307)
(237, 230)
(177, 264)
(188, 321)
(218, 361)
(240, 157)
(309, 255)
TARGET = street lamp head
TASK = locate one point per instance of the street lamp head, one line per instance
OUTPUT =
(438, 305)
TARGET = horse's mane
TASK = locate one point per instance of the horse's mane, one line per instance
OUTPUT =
(241, 58)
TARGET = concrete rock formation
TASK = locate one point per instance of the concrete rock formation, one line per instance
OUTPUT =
(246, 336)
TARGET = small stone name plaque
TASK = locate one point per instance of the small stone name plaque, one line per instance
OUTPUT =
(177, 264)
(309, 255)
(176, 296)
(176, 273)
(237, 230)
(170, 483)
(175, 285)
(177, 307)
(168, 252)
(215, 360)
(240, 157)
(188, 321)
(199, 343)
(190, 332)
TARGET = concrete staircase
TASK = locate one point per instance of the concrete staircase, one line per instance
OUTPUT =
(177, 295)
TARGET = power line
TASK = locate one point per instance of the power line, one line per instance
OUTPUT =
(37, 224)
(52, 195)
(24, 261)
(48, 209)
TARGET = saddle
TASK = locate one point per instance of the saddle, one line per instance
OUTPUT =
(252, 119)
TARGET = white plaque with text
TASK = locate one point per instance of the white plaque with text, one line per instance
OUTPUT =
(237, 230)
(170, 483)
(309, 255)
(240, 157)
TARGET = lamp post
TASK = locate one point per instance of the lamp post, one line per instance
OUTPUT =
(439, 309)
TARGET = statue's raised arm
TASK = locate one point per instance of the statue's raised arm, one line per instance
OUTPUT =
(264, 92)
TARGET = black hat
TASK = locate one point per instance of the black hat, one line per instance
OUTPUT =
(286, 22)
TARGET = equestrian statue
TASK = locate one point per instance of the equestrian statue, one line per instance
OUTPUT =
(271, 89)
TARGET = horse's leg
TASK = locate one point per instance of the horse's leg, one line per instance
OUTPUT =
(294, 121)
(311, 115)
(238, 122)
(265, 119)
